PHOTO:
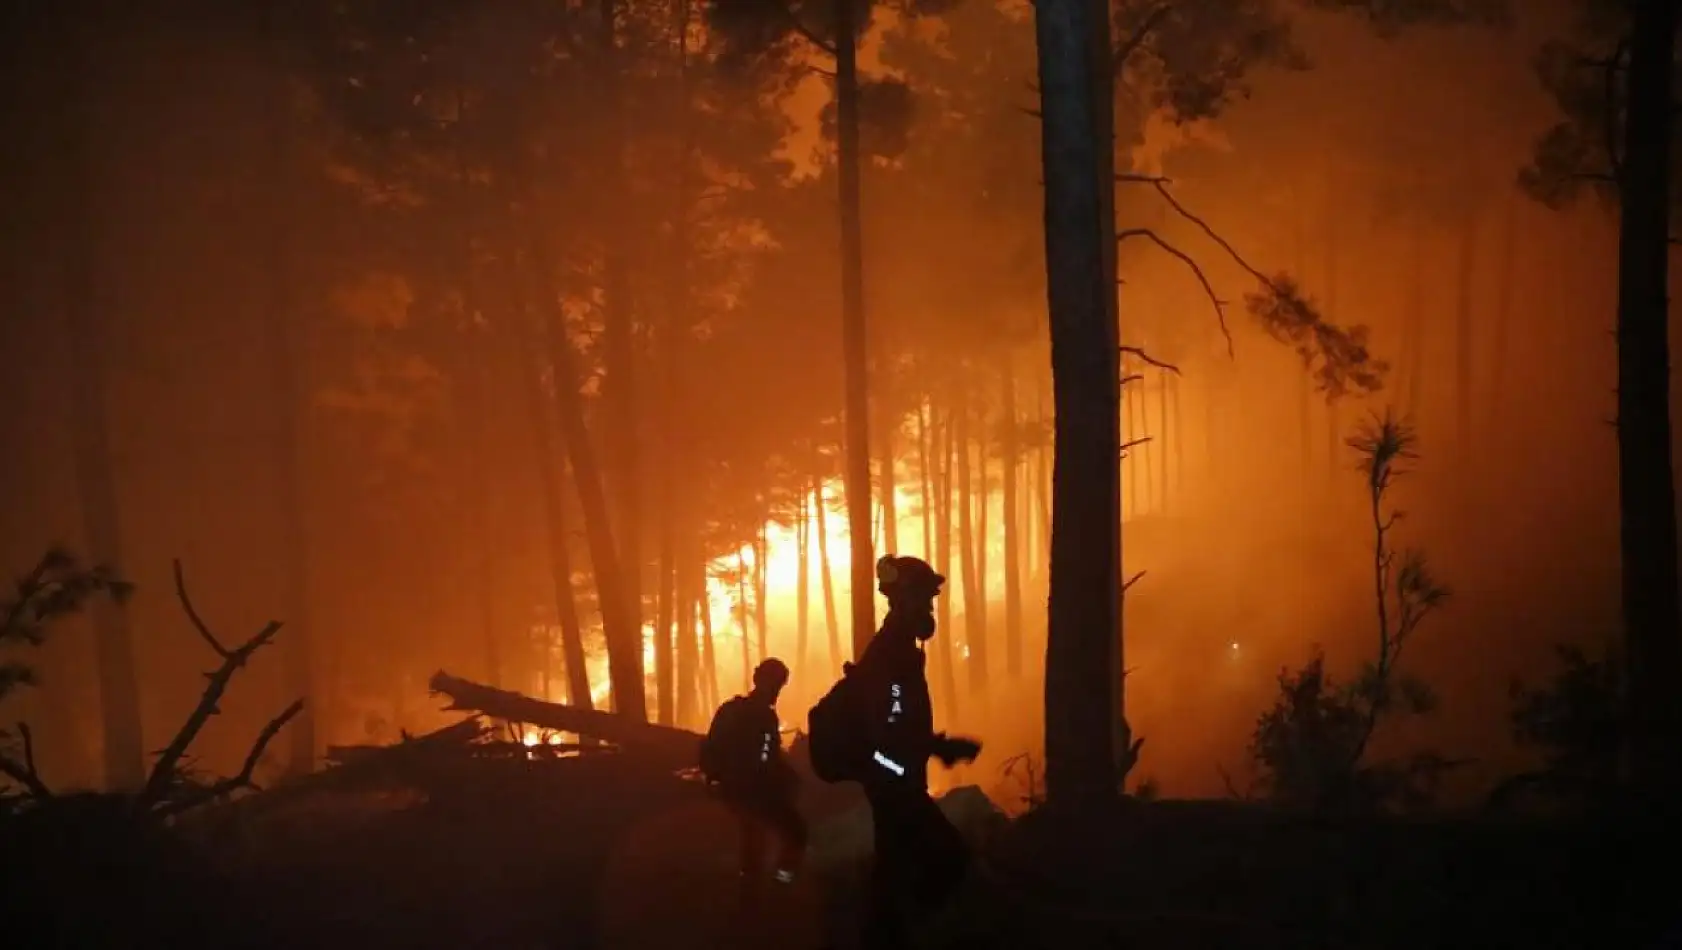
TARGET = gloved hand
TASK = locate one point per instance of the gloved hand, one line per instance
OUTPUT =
(951, 750)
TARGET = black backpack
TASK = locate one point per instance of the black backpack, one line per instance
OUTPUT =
(836, 737)
(721, 747)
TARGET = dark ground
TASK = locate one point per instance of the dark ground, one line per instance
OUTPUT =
(596, 853)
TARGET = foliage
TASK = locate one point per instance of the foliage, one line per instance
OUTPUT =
(1584, 75)
(1310, 746)
(58, 586)
(1575, 719)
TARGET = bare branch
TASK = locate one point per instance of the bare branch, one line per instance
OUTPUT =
(1131, 45)
(1131, 378)
(804, 31)
(1126, 584)
(24, 773)
(192, 612)
(1196, 270)
(1149, 359)
(234, 783)
(1134, 444)
(169, 760)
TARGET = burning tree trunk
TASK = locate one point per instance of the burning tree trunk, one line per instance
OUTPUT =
(1011, 465)
(827, 578)
(87, 310)
(551, 474)
(1646, 487)
(1082, 643)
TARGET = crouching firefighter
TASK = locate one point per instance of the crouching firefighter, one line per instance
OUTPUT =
(876, 727)
(742, 758)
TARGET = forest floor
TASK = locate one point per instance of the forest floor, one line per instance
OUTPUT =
(620, 859)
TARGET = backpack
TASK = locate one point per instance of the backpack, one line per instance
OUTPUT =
(720, 748)
(836, 738)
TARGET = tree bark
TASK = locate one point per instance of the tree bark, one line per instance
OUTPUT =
(1083, 639)
(854, 339)
(1646, 487)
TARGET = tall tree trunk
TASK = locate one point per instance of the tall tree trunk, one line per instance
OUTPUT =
(742, 618)
(854, 339)
(619, 390)
(974, 611)
(1463, 339)
(826, 577)
(709, 656)
(946, 658)
(284, 359)
(619, 624)
(665, 687)
(925, 477)
(552, 474)
(1132, 430)
(1010, 517)
(1084, 639)
(87, 307)
(761, 552)
(889, 485)
(803, 586)
(983, 542)
(691, 577)
(1646, 486)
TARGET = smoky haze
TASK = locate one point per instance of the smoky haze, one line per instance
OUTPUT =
(333, 259)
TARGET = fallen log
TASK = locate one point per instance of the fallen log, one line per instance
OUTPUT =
(459, 735)
(659, 746)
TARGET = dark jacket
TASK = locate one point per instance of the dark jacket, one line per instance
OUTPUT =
(896, 696)
(743, 750)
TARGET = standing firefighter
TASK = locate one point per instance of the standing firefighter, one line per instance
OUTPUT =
(876, 727)
(742, 756)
